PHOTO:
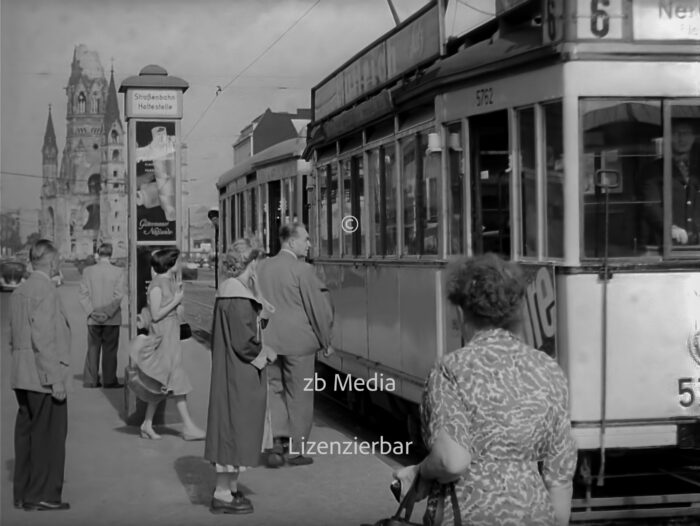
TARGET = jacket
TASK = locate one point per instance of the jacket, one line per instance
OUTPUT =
(303, 319)
(102, 288)
(39, 336)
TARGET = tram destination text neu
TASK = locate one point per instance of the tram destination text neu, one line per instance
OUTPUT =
(376, 382)
(349, 447)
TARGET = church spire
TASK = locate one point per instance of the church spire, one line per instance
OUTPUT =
(50, 149)
(112, 108)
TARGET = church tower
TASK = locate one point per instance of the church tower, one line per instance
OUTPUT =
(81, 166)
(49, 156)
(113, 202)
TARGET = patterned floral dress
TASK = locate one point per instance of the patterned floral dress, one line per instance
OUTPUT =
(506, 403)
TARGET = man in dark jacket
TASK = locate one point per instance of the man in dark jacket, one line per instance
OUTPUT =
(300, 327)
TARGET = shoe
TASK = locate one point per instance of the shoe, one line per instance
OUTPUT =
(300, 460)
(115, 385)
(274, 460)
(149, 434)
(200, 435)
(19, 504)
(90, 385)
(239, 505)
(46, 506)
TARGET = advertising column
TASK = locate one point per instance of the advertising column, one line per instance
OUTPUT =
(153, 107)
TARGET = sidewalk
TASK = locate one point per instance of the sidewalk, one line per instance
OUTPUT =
(113, 477)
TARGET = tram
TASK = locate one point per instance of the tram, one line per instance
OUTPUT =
(263, 192)
(552, 135)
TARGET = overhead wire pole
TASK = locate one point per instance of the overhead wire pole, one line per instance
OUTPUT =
(394, 14)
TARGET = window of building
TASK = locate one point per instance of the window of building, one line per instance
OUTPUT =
(353, 205)
(455, 207)
(528, 182)
(114, 173)
(115, 155)
(554, 177)
(81, 102)
(622, 139)
(115, 136)
(94, 184)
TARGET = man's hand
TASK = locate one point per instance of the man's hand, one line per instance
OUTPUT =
(99, 316)
(679, 235)
(328, 352)
(58, 391)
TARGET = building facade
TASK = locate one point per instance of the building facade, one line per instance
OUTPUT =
(84, 203)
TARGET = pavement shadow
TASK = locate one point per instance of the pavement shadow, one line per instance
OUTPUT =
(10, 468)
(198, 478)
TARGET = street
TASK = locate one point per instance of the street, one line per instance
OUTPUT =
(114, 477)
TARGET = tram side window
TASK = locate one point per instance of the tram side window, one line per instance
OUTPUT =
(528, 181)
(323, 201)
(254, 211)
(456, 193)
(554, 191)
(622, 136)
(353, 205)
(431, 197)
(411, 199)
(333, 209)
(382, 176)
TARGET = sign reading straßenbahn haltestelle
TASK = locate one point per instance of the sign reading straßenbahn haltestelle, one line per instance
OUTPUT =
(154, 103)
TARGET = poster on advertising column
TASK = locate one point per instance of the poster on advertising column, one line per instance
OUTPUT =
(156, 169)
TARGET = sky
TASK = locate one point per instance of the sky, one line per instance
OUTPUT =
(205, 42)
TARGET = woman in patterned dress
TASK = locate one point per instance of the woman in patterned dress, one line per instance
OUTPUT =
(494, 414)
(164, 363)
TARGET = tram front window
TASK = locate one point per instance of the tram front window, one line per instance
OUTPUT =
(623, 136)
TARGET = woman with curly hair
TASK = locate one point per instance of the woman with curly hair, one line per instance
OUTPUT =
(238, 416)
(494, 414)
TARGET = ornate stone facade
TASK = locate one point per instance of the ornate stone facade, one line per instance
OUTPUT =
(85, 204)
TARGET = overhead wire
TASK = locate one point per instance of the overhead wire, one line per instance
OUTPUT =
(478, 10)
(221, 89)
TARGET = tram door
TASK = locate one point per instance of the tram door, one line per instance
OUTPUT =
(490, 183)
(275, 193)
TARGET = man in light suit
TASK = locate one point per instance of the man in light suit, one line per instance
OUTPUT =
(101, 293)
(40, 346)
(301, 326)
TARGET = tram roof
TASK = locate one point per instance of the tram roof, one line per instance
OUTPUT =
(500, 51)
(277, 152)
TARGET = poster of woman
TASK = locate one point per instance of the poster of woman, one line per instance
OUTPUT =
(156, 209)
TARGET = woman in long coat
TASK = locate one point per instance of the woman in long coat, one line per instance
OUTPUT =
(238, 396)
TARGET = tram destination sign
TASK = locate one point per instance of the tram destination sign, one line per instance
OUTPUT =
(416, 41)
(666, 19)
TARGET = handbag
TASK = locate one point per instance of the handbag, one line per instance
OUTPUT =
(185, 331)
(407, 504)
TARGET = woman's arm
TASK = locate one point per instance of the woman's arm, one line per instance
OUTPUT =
(561, 502)
(158, 311)
(447, 460)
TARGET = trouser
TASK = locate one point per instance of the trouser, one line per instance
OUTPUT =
(105, 337)
(291, 406)
(40, 447)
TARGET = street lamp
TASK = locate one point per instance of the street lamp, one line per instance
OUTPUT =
(213, 216)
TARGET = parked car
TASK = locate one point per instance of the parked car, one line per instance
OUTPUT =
(189, 270)
(12, 273)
